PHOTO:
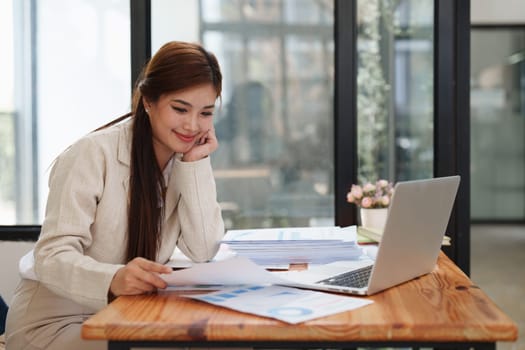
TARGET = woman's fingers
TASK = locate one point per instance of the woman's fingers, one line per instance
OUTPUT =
(212, 139)
(139, 276)
(152, 266)
(206, 144)
(138, 287)
(150, 271)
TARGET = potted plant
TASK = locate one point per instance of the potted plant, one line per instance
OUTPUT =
(373, 200)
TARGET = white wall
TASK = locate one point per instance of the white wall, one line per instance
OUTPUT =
(10, 254)
(497, 12)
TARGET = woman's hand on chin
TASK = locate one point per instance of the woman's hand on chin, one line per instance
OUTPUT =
(205, 145)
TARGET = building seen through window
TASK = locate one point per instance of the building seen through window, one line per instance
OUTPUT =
(274, 166)
(395, 89)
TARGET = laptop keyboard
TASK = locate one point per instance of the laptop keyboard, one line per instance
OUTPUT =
(357, 278)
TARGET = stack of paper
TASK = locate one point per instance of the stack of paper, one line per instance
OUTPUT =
(293, 245)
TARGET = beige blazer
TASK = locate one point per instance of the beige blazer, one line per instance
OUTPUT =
(83, 238)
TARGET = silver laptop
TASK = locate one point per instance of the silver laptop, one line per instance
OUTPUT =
(417, 219)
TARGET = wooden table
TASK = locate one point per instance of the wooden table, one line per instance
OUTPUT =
(442, 309)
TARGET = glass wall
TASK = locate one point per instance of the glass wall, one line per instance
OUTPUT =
(395, 89)
(7, 115)
(275, 126)
(274, 166)
(498, 123)
(67, 70)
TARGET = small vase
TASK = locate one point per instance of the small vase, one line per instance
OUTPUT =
(374, 218)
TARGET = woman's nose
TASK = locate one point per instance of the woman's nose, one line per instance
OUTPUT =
(191, 122)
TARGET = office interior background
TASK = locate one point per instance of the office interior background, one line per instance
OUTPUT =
(66, 69)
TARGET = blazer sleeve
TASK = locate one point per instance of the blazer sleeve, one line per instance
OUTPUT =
(202, 226)
(76, 185)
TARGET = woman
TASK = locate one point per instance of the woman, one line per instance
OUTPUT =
(121, 199)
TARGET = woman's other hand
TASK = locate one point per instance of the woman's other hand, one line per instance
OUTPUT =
(206, 144)
(137, 277)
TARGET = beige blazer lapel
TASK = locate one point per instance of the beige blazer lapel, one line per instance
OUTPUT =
(124, 155)
(172, 195)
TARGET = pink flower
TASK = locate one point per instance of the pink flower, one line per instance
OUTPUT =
(368, 187)
(367, 202)
(357, 192)
(382, 183)
(350, 198)
(385, 201)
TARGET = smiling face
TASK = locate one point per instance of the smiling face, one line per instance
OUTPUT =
(179, 119)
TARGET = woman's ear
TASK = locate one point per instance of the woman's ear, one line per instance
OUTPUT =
(145, 103)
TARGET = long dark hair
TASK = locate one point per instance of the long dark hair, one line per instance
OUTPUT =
(175, 66)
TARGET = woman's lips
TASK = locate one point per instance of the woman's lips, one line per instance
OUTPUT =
(185, 138)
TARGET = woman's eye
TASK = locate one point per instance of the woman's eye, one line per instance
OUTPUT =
(180, 110)
(207, 114)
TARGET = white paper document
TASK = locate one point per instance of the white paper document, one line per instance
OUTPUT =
(287, 304)
(179, 260)
(234, 271)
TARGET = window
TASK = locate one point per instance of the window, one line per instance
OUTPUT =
(498, 123)
(7, 115)
(67, 69)
(395, 89)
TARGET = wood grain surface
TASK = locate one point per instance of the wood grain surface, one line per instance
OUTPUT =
(444, 305)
